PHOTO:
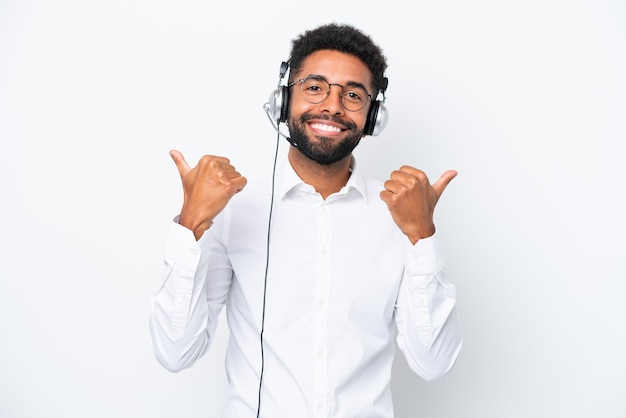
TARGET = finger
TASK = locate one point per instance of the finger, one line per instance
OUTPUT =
(226, 175)
(239, 183)
(404, 177)
(410, 176)
(416, 172)
(394, 186)
(181, 164)
(386, 196)
(443, 181)
(215, 161)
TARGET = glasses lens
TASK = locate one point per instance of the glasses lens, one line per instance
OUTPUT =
(315, 90)
(354, 98)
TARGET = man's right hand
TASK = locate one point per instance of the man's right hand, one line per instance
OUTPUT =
(207, 188)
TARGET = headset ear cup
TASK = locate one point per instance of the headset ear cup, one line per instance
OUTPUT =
(371, 118)
(381, 119)
(278, 104)
(284, 105)
(377, 116)
(376, 119)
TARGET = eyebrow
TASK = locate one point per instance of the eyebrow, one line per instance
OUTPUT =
(349, 83)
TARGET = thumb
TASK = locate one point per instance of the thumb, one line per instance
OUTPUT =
(181, 164)
(443, 181)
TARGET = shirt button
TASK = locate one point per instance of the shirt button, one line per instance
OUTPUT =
(323, 251)
(321, 301)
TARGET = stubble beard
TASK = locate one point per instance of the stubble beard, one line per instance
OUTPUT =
(323, 151)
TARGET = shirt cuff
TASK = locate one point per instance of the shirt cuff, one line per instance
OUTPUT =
(181, 246)
(425, 257)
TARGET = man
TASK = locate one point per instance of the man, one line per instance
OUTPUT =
(317, 266)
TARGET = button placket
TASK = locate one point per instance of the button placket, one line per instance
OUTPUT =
(321, 311)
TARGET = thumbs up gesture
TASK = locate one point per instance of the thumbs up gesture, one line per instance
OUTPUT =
(411, 200)
(207, 188)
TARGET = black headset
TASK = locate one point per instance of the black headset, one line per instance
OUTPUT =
(277, 107)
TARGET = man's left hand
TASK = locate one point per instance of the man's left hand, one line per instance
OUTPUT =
(411, 199)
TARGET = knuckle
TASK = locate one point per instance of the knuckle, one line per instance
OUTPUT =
(412, 182)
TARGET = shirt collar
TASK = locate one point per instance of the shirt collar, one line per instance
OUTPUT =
(288, 182)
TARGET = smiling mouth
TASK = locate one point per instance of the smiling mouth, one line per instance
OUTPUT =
(324, 127)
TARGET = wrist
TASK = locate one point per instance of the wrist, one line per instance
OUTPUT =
(198, 227)
(421, 234)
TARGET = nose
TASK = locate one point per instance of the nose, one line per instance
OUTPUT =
(332, 103)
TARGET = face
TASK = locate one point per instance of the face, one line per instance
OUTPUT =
(326, 132)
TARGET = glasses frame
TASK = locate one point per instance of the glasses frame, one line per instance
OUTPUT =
(302, 80)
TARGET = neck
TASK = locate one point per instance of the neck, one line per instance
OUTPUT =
(325, 178)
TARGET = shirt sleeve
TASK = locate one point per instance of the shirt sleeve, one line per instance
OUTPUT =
(186, 306)
(429, 333)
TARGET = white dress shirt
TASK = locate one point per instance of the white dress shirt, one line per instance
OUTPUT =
(340, 273)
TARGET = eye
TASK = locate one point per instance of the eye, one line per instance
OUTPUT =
(355, 95)
(314, 87)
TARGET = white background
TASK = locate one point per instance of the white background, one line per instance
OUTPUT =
(526, 99)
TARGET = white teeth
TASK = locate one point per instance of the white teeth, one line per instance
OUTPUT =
(325, 127)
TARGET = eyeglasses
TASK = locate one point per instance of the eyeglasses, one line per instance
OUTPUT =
(316, 89)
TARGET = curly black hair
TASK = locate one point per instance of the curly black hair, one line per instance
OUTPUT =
(342, 38)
